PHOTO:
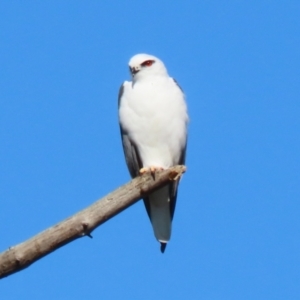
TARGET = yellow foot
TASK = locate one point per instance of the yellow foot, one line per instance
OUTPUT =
(143, 170)
(151, 169)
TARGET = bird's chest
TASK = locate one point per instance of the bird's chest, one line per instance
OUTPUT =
(149, 102)
(148, 111)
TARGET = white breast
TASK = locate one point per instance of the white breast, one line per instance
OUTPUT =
(154, 114)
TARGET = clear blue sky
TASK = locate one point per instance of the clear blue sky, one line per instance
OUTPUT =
(236, 231)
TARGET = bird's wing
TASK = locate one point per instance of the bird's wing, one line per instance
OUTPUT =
(173, 187)
(131, 153)
(177, 84)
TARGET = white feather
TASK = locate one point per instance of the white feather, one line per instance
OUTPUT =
(154, 114)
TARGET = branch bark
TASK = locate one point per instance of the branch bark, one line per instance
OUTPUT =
(84, 222)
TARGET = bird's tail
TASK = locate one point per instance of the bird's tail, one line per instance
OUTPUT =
(160, 215)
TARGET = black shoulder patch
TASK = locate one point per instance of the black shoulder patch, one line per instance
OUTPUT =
(121, 91)
(177, 84)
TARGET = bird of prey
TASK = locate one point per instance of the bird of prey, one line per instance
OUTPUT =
(153, 122)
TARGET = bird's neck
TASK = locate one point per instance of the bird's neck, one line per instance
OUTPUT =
(150, 78)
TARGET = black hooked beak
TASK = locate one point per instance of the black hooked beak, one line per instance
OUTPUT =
(133, 70)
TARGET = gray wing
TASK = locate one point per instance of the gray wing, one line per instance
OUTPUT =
(173, 187)
(132, 156)
(178, 84)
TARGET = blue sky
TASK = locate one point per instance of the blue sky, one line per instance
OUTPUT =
(236, 226)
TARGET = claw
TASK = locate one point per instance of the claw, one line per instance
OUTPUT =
(143, 171)
(152, 170)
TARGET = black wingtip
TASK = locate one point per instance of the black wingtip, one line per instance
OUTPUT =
(163, 247)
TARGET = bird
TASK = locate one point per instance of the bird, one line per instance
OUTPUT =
(153, 121)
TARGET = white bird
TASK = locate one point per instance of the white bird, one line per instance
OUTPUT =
(153, 121)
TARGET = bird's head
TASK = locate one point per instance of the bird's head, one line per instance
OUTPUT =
(145, 65)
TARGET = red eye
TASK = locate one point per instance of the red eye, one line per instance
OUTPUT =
(147, 63)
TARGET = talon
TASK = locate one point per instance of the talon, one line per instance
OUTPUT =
(143, 171)
(152, 170)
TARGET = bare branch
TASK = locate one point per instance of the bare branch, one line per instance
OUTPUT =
(83, 223)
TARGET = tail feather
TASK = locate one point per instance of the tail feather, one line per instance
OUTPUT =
(163, 247)
(160, 215)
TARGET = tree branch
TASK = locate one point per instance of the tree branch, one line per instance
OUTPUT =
(84, 222)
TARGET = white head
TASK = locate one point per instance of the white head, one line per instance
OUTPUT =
(145, 65)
